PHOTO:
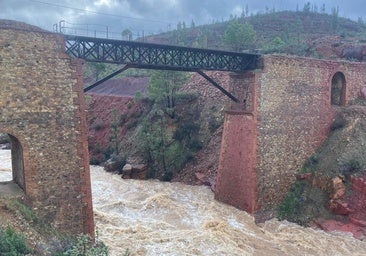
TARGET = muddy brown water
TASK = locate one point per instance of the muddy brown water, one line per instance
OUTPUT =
(155, 218)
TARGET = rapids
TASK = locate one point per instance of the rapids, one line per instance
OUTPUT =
(155, 218)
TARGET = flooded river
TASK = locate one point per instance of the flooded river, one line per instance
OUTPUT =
(155, 218)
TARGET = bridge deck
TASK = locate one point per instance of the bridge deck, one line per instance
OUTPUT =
(155, 56)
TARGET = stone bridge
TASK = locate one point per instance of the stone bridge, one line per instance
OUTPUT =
(284, 112)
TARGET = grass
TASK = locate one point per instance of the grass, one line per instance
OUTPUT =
(290, 206)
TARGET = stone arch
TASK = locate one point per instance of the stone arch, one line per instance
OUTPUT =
(338, 89)
(17, 160)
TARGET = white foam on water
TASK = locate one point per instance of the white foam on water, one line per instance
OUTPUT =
(156, 218)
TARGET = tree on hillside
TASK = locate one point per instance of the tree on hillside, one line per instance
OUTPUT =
(163, 89)
(277, 45)
(307, 7)
(127, 34)
(239, 36)
(96, 70)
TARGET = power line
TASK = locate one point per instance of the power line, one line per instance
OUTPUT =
(98, 13)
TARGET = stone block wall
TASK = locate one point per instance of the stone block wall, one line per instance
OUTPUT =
(291, 117)
(295, 115)
(42, 108)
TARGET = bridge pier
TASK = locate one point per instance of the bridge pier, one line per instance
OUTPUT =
(236, 178)
(42, 109)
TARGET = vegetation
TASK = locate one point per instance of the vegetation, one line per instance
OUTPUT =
(290, 206)
(163, 90)
(272, 31)
(85, 247)
(12, 243)
(340, 156)
(167, 140)
(239, 36)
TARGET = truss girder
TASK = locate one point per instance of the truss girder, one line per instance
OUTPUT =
(157, 56)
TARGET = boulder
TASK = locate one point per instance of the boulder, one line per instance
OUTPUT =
(135, 171)
(127, 171)
(139, 171)
(339, 207)
(333, 225)
(338, 188)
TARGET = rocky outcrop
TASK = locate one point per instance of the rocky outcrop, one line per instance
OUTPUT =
(349, 205)
(204, 179)
(134, 171)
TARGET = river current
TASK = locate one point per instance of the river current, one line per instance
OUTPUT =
(155, 218)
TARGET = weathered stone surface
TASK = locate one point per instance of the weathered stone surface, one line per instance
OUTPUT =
(333, 225)
(363, 92)
(42, 108)
(290, 109)
(135, 171)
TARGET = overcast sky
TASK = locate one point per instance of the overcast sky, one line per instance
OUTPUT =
(151, 16)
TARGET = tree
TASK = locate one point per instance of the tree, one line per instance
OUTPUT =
(239, 36)
(97, 69)
(322, 10)
(307, 7)
(163, 89)
(193, 25)
(114, 132)
(127, 34)
(277, 45)
(335, 16)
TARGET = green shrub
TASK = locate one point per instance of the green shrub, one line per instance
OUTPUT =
(94, 161)
(28, 214)
(309, 164)
(290, 206)
(108, 152)
(352, 166)
(85, 247)
(12, 243)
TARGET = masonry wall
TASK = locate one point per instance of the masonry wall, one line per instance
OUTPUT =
(42, 107)
(294, 117)
(236, 178)
(282, 118)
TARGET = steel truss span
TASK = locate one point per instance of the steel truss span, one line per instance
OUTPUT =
(155, 56)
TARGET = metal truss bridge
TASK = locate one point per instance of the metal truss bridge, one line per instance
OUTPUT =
(155, 56)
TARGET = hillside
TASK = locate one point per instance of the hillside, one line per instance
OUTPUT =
(331, 189)
(299, 31)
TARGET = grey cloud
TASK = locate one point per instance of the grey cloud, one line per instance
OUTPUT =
(152, 16)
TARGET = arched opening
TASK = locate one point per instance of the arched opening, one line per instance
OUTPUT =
(12, 167)
(338, 89)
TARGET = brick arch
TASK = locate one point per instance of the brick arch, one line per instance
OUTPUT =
(338, 89)
(17, 161)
